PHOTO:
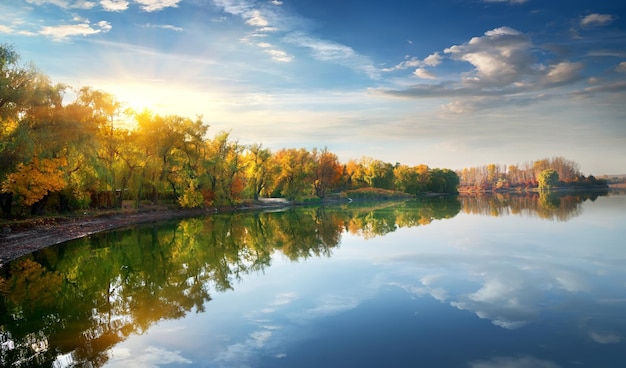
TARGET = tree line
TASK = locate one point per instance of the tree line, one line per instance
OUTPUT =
(64, 155)
(543, 174)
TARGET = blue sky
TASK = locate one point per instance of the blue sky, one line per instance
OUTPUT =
(447, 83)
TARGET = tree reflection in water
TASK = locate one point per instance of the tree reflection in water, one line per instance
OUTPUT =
(546, 205)
(70, 304)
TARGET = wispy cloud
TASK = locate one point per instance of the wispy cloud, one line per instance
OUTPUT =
(270, 20)
(280, 55)
(164, 26)
(511, 2)
(412, 62)
(596, 19)
(65, 4)
(605, 337)
(63, 32)
(333, 52)
(151, 357)
(513, 362)
(256, 19)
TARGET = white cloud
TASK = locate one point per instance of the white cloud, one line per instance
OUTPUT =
(596, 19)
(424, 74)
(234, 7)
(156, 5)
(114, 5)
(5, 29)
(323, 50)
(63, 32)
(431, 60)
(256, 19)
(621, 67)
(276, 2)
(499, 57)
(11, 30)
(459, 107)
(65, 4)
(563, 72)
(504, 72)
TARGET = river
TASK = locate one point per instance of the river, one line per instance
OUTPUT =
(469, 281)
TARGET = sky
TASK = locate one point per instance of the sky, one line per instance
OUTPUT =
(446, 83)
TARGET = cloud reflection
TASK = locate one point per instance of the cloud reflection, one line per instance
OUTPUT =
(514, 362)
(152, 356)
(605, 337)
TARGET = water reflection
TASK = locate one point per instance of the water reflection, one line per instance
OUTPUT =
(84, 297)
(546, 205)
(73, 304)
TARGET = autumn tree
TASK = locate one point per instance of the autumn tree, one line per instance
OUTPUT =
(547, 179)
(260, 169)
(327, 171)
(296, 172)
(33, 182)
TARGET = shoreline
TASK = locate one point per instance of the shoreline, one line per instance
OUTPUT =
(30, 236)
(21, 238)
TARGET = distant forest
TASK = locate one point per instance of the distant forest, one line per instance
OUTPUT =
(62, 156)
(544, 173)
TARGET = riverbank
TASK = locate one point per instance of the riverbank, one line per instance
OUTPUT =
(19, 238)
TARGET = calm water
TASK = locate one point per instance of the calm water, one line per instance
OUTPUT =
(447, 282)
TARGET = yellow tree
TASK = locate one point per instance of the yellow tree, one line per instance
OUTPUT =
(405, 179)
(260, 169)
(296, 172)
(32, 182)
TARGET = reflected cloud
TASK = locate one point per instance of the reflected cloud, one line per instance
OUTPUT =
(514, 362)
(328, 306)
(260, 337)
(285, 298)
(152, 356)
(510, 293)
(605, 337)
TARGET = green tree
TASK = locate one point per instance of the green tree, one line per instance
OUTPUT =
(443, 181)
(547, 179)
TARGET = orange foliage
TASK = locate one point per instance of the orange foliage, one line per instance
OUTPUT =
(33, 181)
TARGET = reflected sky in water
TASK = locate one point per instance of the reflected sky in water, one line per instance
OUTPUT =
(470, 291)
